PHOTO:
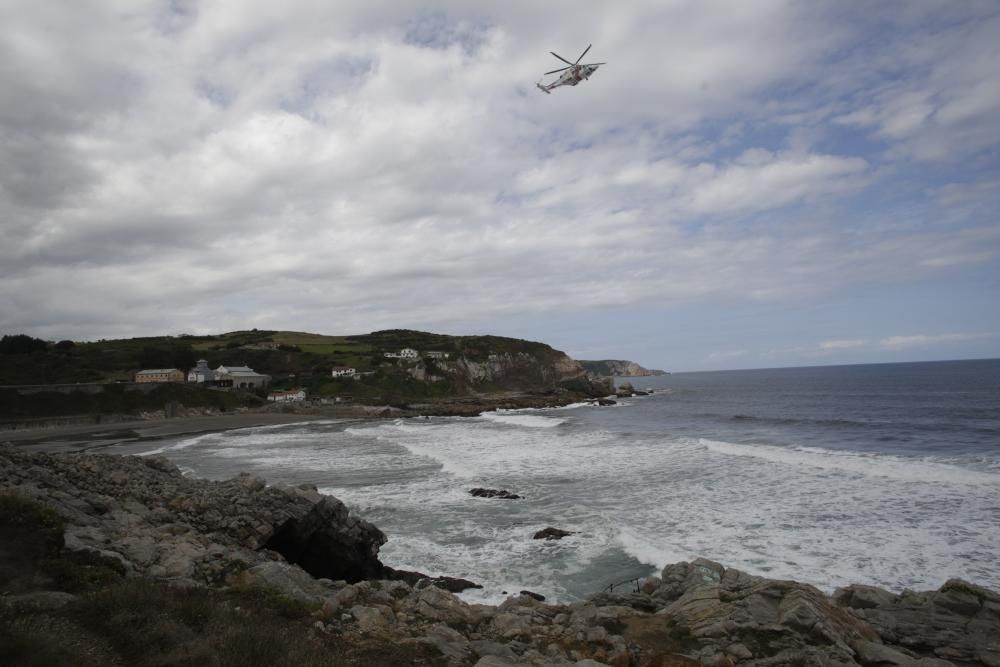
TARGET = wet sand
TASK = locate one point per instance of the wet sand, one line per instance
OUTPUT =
(77, 438)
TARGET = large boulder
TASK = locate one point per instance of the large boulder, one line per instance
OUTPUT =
(328, 542)
(959, 622)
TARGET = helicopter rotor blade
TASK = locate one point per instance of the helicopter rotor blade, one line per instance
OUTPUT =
(556, 70)
(583, 54)
(593, 64)
(561, 58)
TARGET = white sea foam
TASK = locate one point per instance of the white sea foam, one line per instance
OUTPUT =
(522, 420)
(860, 463)
(821, 516)
(183, 444)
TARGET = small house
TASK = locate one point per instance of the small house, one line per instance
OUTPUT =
(289, 396)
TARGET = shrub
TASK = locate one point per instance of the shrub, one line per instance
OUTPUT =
(32, 649)
(80, 571)
(37, 530)
(141, 616)
(21, 344)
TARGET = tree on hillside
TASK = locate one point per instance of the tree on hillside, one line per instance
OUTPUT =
(180, 356)
(21, 344)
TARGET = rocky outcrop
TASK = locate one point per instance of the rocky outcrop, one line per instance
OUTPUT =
(697, 614)
(327, 542)
(618, 368)
(144, 514)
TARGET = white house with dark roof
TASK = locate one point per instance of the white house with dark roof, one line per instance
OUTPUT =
(289, 396)
(343, 372)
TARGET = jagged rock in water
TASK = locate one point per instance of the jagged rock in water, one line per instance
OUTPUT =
(452, 584)
(536, 596)
(551, 533)
(503, 494)
(625, 389)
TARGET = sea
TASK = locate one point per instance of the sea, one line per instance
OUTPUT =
(885, 474)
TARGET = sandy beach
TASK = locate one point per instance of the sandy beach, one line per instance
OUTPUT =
(80, 437)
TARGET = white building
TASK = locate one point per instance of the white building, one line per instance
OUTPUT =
(343, 372)
(436, 355)
(242, 377)
(405, 353)
(290, 396)
(201, 373)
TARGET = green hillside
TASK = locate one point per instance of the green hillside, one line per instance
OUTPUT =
(291, 358)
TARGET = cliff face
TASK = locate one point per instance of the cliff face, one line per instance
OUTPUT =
(517, 370)
(490, 363)
(619, 368)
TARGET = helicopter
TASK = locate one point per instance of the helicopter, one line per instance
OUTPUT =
(571, 75)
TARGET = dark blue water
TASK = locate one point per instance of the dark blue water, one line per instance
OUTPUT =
(949, 408)
(879, 474)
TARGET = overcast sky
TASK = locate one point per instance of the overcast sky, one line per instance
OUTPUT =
(743, 184)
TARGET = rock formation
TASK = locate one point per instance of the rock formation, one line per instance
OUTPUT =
(618, 368)
(551, 533)
(143, 513)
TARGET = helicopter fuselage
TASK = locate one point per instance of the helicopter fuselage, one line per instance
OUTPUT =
(571, 77)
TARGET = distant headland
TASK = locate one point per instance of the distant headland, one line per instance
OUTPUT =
(618, 368)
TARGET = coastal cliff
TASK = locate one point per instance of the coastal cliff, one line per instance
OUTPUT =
(126, 561)
(618, 368)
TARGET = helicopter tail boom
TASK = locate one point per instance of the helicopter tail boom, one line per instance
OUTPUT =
(543, 89)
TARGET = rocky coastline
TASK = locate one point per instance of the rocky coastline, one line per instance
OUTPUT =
(142, 519)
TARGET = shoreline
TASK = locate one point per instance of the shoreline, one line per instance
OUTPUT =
(81, 437)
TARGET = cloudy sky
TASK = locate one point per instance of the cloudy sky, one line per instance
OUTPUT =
(744, 184)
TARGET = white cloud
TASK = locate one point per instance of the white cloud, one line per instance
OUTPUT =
(211, 166)
(726, 355)
(843, 344)
(924, 341)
